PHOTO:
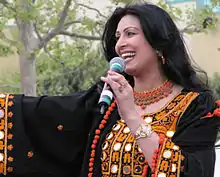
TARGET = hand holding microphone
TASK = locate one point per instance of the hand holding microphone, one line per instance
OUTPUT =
(117, 64)
(122, 91)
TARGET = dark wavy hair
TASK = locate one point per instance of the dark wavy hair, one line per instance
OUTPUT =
(163, 35)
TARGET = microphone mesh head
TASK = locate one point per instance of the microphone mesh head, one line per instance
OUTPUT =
(117, 63)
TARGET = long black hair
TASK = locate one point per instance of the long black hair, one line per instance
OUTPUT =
(163, 35)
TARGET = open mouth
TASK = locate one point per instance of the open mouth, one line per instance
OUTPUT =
(128, 55)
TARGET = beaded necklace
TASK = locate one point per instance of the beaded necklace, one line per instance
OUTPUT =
(143, 99)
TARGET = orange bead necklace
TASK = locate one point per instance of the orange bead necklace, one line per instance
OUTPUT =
(143, 99)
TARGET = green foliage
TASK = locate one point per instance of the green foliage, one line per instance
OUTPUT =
(194, 17)
(5, 50)
(215, 84)
(174, 12)
(10, 83)
(76, 67)
(117, 2)
(72, 64)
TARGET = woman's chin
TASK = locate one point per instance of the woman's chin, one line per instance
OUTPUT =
(130, 71)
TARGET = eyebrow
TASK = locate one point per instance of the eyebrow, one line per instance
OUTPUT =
(117, 32)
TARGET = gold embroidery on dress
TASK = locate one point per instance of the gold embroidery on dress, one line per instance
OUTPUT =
(121, 156)
(5, 134)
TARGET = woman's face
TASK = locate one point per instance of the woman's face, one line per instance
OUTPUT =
(133, 47)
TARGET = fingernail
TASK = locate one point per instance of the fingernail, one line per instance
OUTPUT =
(103, 78)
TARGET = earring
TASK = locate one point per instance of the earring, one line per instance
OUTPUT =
(161, 57)
(163, 60)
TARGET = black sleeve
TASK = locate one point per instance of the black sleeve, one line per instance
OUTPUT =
(196, 136)
(46, 136)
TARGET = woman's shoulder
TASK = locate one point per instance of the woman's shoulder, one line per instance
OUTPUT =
(199, 123)
(203, 105)
(205, 98)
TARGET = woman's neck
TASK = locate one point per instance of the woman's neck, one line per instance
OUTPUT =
(148, 82)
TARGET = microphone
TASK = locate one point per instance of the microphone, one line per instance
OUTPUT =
(117, 64)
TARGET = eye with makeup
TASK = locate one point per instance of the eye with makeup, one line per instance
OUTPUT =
(127, 34)
(130, 33)
(117, 37)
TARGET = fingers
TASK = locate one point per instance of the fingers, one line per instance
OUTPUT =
(112, 73)
(113, 84)
(116, 77)
(116, 81)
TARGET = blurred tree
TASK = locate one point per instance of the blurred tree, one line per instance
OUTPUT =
(38, 22)
(215, 84)
(76, 70)
(5, 50)
(57, 28)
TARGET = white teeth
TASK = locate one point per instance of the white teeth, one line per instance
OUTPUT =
(130, 54)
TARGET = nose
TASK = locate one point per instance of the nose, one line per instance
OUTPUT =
(121, 43)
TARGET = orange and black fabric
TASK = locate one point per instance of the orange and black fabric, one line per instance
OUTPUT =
(52, 136)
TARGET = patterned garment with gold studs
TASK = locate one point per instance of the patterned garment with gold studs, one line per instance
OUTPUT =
(6, 136)
(121, 155)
